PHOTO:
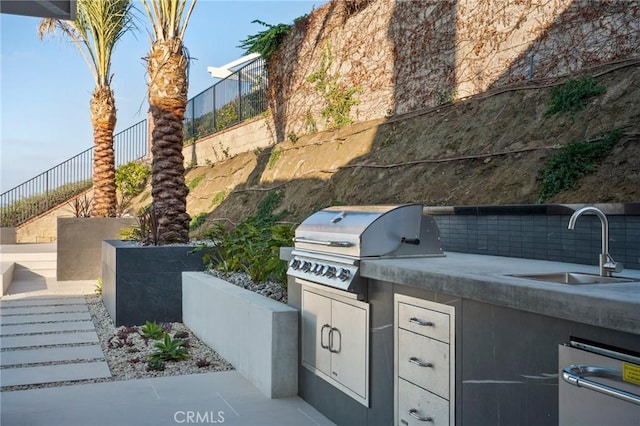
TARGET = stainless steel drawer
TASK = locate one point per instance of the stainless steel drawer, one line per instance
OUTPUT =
(424, 362)
(424, 321)
(416, 406)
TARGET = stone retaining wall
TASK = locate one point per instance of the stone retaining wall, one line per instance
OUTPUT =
(410, 55)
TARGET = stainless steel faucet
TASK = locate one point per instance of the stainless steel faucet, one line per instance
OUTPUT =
(607, 264)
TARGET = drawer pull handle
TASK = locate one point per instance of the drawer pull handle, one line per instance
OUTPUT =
(421, 322)
(417, 362)
(414, 413)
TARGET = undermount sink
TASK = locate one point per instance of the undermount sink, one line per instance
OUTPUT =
(573, 278)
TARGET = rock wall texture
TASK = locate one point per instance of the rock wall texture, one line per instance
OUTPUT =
(405, 56)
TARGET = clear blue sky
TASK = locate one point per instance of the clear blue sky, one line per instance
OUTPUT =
(45, 86)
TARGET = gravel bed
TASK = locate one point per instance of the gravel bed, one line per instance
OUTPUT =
(269, 289)
(128, 361)
(126, 351)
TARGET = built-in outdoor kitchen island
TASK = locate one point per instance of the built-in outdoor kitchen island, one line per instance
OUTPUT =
(461, 338)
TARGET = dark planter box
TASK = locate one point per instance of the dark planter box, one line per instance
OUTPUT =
(79, 244)
(144, 283)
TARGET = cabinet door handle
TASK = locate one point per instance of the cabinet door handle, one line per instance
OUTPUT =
(331, 349)
(322, 336)
(421, 322)
(416, 361)
(414, 413)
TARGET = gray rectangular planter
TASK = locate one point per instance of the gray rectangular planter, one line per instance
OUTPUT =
(144, 283)
(79, 244)
(8, 235)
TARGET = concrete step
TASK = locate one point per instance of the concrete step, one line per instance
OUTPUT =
(52, 354)
(37, 264)
(29, 257)
(54, 373)
(22, 274)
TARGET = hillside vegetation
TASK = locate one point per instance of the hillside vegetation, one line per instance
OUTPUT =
(489, 149)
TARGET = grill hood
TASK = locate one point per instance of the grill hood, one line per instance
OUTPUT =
(370, 231)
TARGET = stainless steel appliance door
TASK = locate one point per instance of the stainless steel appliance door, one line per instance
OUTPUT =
(594, 404)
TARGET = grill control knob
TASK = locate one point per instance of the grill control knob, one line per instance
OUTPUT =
(344, 274)
(318, 269)
(306, 266)
(329, 271)
(295, 263)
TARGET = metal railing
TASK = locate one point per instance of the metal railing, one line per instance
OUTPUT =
(238, 97)
(68, 179)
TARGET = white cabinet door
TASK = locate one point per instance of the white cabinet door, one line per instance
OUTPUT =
(349, 346)
(316, 327)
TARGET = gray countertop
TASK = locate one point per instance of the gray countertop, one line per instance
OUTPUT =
(486, 278)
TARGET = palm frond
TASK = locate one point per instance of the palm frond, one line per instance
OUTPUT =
(98, 27)
(167, 18)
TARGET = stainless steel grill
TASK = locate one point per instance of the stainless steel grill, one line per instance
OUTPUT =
(330, 243)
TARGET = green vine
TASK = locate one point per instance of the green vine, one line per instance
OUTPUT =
(563, 169)
(338, 99)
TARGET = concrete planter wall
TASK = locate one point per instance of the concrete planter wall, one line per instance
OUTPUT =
(256, 334)
(141, 283)
(79, 245)
(8, 235)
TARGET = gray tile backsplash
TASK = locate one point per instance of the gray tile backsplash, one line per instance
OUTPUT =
(544, 237)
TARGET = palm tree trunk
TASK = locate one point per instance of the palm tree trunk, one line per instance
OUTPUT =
(168, 87)
(103, 119)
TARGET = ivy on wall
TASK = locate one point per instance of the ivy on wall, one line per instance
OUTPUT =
(338, 99)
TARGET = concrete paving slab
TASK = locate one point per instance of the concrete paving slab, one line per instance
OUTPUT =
(35, 356)
(29, 310)
(26, 319)
(225, 398)
(47, 327)
(48, 339)
(42, 301)
(50, 374)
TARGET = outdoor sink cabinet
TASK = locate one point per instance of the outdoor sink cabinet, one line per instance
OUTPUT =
(460, 340)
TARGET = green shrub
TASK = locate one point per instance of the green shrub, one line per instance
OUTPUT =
(195, 182)
(563, 169)
(197, 221)
(253, 246)
(131, 179)
(169, 349)
(571, 97)
(266, 42)
(152, 330)
(273, 157)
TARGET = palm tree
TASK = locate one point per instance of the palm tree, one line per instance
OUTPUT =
(167, 64)
(98, 26)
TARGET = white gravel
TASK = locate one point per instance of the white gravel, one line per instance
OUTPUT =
(127, 352)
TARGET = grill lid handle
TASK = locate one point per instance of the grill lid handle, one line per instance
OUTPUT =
(323, 243)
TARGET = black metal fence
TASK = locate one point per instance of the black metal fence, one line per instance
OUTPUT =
(238, 97)
(68, 179)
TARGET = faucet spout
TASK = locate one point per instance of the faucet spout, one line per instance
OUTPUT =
(607, 264)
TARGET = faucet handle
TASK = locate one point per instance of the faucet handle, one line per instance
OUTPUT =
(612, 266)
